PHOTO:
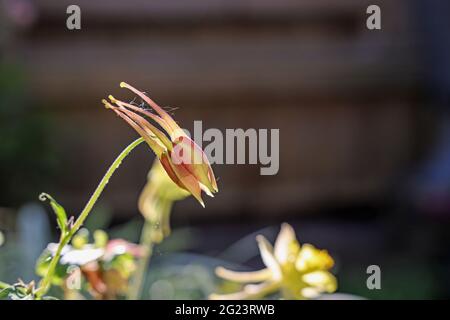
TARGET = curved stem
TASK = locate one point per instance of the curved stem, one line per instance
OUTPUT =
(147, 241)
(93, 199)
(65, 239)
(44, 286)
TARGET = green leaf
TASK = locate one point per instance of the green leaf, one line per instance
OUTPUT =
(16, 292)
(61, 216)
(4, 293)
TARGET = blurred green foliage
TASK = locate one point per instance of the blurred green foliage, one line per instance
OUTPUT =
(26, 159)
(400, 279)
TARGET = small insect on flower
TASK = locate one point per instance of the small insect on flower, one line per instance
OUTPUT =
(183, 160)
(295, 271)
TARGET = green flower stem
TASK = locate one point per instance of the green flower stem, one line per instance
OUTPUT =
(83, 215)
(146, 242)
(65, 239)
(44, 286)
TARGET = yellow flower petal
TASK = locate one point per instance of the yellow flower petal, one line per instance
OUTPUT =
(285, 238)
(268, 258)
(250, 291)
(254, 276)
(321, 280)
(310, 258)
(309, 293)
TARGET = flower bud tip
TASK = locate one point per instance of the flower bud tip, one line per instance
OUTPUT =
(107, 104)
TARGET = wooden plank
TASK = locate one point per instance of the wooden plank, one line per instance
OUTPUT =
(214, 68)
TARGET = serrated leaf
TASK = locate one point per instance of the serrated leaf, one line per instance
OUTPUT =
(61, 216)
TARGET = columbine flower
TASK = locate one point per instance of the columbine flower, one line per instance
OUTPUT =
(156, 200)
(297, 272)
(183, 160)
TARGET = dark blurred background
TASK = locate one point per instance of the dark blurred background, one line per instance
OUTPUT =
(363, 116)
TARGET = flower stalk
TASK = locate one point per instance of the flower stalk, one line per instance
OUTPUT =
(155, 204)
(67, 236)
(146, 242)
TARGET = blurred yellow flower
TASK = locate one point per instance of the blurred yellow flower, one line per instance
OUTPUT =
(156, 200)
(295, 271)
